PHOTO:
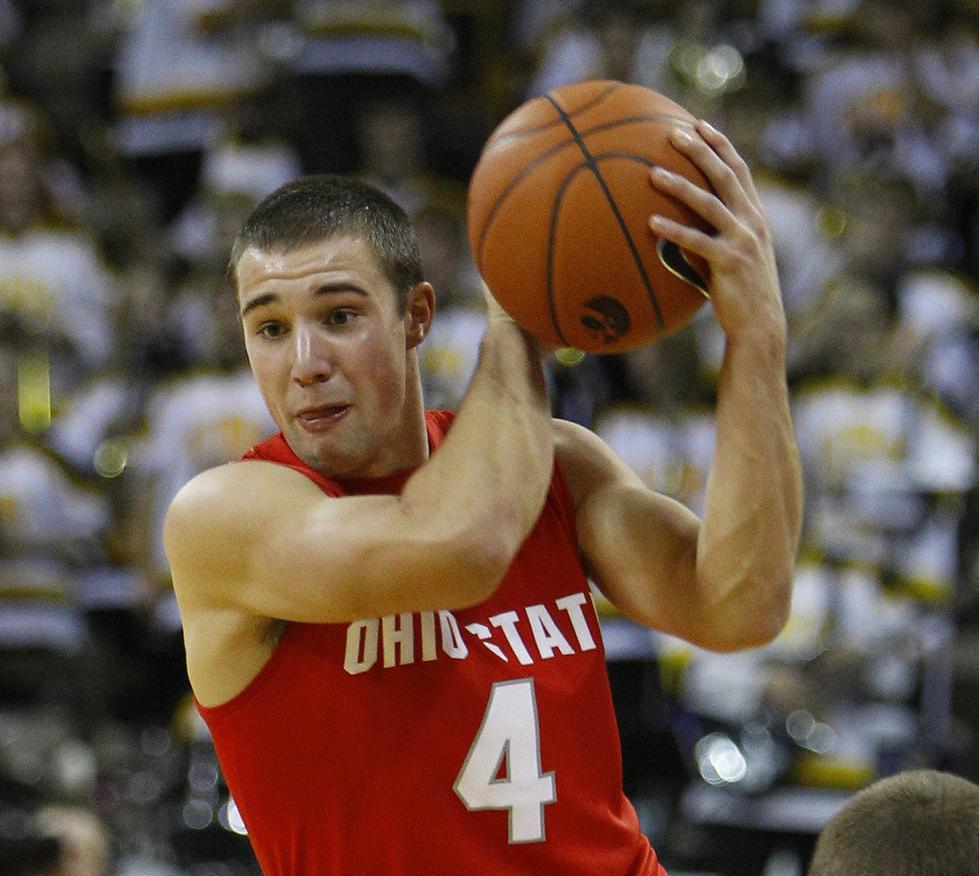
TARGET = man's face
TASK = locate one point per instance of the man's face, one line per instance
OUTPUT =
(328, 348)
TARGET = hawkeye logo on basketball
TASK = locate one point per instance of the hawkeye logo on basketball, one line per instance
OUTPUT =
(525, 635)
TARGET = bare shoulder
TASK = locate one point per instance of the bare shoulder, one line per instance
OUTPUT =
(216, 527)
(238, 482)
(604, 488)
(587, 462)
(578, 447)
(220, 513)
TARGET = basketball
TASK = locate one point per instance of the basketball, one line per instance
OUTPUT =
(558, 218)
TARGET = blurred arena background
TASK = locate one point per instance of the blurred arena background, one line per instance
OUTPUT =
(135, 136)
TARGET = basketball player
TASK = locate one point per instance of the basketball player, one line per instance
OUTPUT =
(386, 610)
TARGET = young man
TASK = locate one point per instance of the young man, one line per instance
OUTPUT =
(387, 621)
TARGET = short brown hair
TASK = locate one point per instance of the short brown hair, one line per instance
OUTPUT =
(920, 822)
(320, 206)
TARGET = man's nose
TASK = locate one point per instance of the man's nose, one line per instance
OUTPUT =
(311, 361)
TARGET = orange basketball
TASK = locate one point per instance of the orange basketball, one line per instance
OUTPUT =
(558, 218)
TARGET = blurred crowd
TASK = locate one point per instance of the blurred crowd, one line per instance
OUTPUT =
(134, 138)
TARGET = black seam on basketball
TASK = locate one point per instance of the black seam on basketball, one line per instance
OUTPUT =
(551, 235)
(604, 126)
(590, 162)
(667, 251)
(638, 120)
(529, 132)
(544, 156)
(491, 213)
(555, 207)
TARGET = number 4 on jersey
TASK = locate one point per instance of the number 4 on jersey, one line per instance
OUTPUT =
(503, 769)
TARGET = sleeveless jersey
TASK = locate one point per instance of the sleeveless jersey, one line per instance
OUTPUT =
(470, 741)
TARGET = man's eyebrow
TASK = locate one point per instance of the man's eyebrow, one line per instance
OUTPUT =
(325, 289)
(258, 301)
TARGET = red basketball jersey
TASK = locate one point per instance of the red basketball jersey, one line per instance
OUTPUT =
(448, 742)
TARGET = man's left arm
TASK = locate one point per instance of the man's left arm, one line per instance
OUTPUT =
(724, 582)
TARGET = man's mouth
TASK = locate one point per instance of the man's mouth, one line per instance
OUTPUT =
(320, 417)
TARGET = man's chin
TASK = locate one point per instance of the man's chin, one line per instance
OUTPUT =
(326, 461)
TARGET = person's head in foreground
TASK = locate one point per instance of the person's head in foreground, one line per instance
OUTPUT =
(333, 303)
(918, 823)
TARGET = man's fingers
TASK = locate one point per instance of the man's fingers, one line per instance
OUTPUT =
(691, 239)
(731, 157)
(704, 204)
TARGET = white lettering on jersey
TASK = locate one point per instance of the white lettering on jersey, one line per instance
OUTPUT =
(547, 636)
(508, 622)
(428, 635)
(393, 637)
(361, 652)
(452, 642)
(398, 631)
(572, 605)
(484, 634)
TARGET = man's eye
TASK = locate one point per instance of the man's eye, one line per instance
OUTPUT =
(270, 330)
(341, 317)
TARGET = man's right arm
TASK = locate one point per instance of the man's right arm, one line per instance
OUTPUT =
(264, 539)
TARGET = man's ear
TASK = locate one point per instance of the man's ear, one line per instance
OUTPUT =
(419, 313)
